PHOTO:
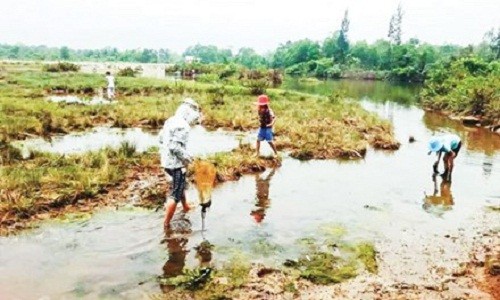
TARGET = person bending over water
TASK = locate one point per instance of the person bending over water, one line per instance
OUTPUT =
(450, 145)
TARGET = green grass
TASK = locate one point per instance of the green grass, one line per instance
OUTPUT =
(49, 181)
(309, 126)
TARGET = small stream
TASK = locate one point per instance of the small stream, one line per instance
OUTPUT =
(388, 198)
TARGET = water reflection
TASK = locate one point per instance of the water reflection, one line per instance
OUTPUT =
(202, 142)
(377, 91)
(262, 191)
(441, 199)
(477, 139)
(177, 241)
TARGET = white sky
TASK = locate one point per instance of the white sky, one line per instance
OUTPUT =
(260, 24)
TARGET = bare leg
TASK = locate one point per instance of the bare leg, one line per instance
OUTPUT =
(273, 147)
(169, 211)
(185, 205)
(257, 146)
(436, 164)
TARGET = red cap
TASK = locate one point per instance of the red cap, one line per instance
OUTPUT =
(262, 100)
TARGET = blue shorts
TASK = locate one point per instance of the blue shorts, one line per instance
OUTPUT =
(265, 134)
(178, 183)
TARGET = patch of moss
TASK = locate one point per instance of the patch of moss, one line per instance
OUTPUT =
(366, 253)
(325, 268)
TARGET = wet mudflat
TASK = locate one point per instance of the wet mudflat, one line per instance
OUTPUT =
(423, 228)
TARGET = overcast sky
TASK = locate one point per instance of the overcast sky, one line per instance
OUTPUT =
(260, 24)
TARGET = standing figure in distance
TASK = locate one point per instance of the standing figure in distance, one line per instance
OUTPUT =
(111, 86)
(266, 120)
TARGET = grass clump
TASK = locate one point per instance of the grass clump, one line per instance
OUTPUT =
(242, 160)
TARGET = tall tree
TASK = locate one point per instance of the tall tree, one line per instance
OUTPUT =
(64, 53)
(493, 39)
(342, 41)
(395, 26)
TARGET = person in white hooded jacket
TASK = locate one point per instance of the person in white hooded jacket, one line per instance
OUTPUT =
(175, 158)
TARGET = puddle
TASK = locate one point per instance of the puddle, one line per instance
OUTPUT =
(389, 198)
(69, 99)
(202, 142)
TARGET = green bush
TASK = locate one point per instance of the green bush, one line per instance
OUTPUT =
(61, 67)
(464, 86)
(127, 72)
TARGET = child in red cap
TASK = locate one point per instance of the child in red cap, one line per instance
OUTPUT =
(267, 119)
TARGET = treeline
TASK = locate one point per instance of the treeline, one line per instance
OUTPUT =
(22, 52)
(334, 57)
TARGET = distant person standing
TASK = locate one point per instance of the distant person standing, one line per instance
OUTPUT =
(111, 86)
(448, 144)
(266, 120)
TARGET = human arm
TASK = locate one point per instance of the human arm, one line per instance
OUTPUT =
(177, 145)
(273, 119)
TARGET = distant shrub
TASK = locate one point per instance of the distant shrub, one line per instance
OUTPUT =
(61, 67)
(207, 78)
(127, 72)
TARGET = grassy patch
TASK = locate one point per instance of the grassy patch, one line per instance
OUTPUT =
(309, 126)
(240, 161)
(49, 181)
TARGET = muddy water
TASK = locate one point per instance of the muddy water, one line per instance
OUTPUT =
(202, 141)
(389, 198)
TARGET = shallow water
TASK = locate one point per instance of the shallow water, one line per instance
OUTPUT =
(388, 196)
(201, 142)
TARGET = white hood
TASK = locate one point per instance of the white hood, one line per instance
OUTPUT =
(189, 110)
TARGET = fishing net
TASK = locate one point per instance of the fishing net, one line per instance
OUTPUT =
(204, 178)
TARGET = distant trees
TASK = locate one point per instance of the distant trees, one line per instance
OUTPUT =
(209, 54)
(249, 58)
(334, 57)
